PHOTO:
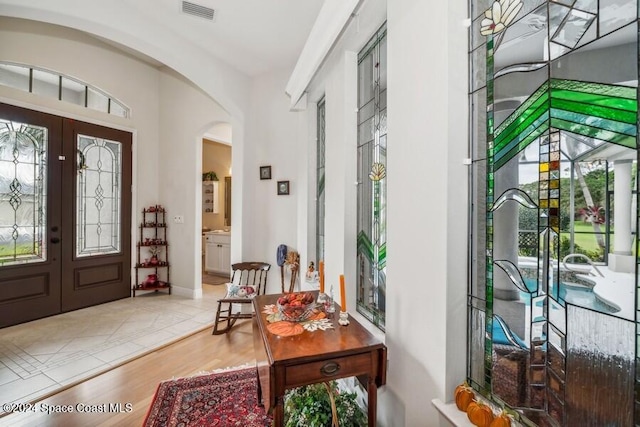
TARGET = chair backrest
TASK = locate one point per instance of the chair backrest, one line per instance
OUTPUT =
(252, 274)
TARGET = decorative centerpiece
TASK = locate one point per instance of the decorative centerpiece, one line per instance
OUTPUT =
(296, 306)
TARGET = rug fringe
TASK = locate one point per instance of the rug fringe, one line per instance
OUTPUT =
(216, 371)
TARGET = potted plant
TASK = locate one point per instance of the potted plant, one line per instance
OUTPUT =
(322, 405)
(209, 176)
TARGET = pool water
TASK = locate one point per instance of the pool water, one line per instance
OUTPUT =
(579, 295)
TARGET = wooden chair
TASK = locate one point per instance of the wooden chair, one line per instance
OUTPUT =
(247, 280)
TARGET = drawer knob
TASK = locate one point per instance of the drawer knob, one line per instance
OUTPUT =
(330, 368)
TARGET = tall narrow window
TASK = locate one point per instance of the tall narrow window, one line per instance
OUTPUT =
(320, 171)
(99, 190)
(23, 176)
(372, 193)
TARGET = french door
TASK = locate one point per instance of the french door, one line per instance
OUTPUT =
(65, 214)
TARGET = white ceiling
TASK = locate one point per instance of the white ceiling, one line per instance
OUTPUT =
(253, 36)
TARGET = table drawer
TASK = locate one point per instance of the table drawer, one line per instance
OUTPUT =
(340, 367)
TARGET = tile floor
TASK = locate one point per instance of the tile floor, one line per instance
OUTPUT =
(40, 357)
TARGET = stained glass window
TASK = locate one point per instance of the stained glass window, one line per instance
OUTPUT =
(372, 159)
(23, 174)
(553, 291)
(99, 186)
(320, 180)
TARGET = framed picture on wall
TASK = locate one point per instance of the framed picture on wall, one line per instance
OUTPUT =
(265, 172)
(283, 188)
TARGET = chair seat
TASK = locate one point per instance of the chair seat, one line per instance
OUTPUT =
(236, 300)
(246, 275)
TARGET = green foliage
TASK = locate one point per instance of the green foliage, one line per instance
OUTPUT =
(310, 406)
(595, 178)
(209, 176)
(565, 247)
(527, 219)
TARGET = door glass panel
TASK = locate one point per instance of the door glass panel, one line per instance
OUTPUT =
(99, 187)
(23, 172)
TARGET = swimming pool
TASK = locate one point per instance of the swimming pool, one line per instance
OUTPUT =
(575, 294)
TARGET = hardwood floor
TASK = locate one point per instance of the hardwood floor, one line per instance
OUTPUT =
(136, 382)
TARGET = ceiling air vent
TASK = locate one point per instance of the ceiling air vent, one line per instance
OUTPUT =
(198, 10)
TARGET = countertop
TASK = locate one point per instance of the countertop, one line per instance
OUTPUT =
(217, 233)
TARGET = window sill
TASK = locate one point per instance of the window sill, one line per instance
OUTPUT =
(451, 412)
(366, 323)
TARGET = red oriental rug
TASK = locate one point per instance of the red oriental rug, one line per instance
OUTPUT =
(228, 398)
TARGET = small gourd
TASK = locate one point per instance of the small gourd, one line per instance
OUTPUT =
(464, 396)
(501, 420)
(480, 414)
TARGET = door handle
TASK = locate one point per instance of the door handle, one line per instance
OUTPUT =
(54, 228)
(55, 240)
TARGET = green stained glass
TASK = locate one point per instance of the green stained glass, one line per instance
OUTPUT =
(382, 256)
(594, 110)
(618, 103)
(541, 91)
(365, 246)
(523, 138)
(506, 135)
(531, 118)
(611, 91)
(535, 134)
(595, 122)
(585, 130)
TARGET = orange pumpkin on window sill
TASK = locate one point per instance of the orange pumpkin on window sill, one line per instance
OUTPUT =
(480, 414)
(464, 395)
(502, 420)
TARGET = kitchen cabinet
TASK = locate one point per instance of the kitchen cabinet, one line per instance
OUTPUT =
(217, 257)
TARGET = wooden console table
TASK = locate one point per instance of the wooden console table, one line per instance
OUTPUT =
(313, 357)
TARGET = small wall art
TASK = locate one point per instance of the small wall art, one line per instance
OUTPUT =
(283, 188)
(265, 172)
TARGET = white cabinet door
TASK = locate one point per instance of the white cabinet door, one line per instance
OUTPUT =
(212, 257)
(225, 258)
(218, 254)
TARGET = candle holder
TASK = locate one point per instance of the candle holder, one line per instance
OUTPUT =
(330, 308)
(344, 318)
(326, 302)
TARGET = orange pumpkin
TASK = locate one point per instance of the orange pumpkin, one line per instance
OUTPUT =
(464, 396)
(479, 414)
(501, 420)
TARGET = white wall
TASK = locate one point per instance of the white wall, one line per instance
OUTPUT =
(427, 195)
(427, 185)
(185, 113)
(273, 138)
